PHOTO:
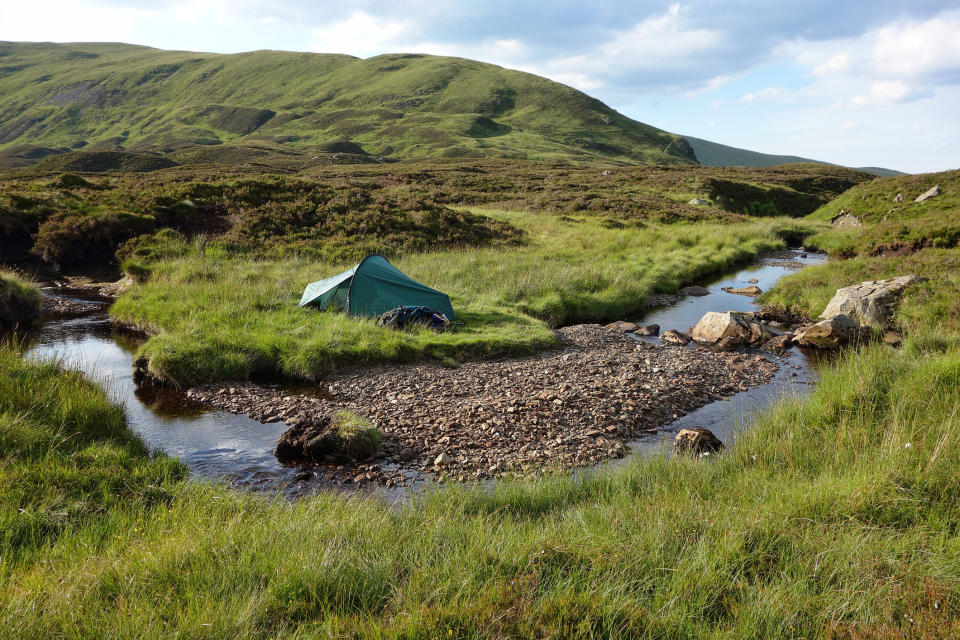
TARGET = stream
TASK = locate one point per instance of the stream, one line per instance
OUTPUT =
(216, 445)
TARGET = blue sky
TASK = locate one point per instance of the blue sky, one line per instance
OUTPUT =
(857, 83)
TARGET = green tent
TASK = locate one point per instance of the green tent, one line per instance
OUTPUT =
(372, 287)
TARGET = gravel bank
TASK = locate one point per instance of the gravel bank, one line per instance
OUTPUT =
(567, 408)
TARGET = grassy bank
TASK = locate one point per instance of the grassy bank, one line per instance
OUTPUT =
(890, 227)
(20, 299)
(213, 316)
(833, 517)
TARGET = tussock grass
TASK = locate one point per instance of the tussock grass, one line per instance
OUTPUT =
(20, 299)
(358, 437)
(213, 316)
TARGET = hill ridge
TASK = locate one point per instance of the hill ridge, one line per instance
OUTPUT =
(109, 96)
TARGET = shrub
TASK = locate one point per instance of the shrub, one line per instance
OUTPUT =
(70, 238)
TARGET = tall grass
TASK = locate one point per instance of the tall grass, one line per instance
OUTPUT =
(20, 299)
(835, 516)
(217, 317)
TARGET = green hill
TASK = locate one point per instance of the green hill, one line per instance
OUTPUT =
(107, 97)
(889, 221)
(714, 154)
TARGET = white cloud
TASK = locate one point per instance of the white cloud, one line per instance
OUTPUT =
(889, 91)
(713, 84)
(364, 35)
(851, 126)
(839, 63)
(66, 20)
(940, 145)
(768, 93)
(919, 48)
(658, 41)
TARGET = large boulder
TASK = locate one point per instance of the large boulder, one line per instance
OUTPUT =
(869, 304)
(716, 326)
(699, 442)
(828, 334)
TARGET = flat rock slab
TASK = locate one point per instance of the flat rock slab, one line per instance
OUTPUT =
(751, 291)
(574, 407)
(933, 192)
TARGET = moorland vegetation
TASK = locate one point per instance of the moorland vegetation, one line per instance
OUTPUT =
(223, 253)
(835, 515)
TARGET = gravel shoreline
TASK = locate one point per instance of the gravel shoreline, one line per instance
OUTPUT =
(572, 407)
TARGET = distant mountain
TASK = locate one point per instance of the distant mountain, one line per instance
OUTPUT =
(713, 154)
(109, 97)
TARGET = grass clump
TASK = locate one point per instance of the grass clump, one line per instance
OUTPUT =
(20, 299)
(359, 439)
(66, 458)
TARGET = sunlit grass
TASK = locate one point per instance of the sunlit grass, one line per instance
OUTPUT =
(218, 317)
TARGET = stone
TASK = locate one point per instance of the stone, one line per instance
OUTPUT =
(309, 440)
(673, 336)
(442, 460)
(714, 326)
(829, 334)
(698, 201)
(869, 304)
(649, 330)
(846, 220)
(730, 343)
(753, 281)
(933, 192)
(699, 442)
(778, 344)
(694, 290)
(892, 338)
(900, 198)
(621, 325)
(322, 437)
(751, 291)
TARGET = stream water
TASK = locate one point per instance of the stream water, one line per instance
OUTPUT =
(218, 445)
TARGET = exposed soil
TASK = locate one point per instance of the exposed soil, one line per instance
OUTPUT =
(569, 408)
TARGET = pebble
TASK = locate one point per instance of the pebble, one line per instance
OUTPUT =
(573, 407)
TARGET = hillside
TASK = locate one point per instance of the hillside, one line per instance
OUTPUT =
(713, 154)
(888, 220)
(106, 96)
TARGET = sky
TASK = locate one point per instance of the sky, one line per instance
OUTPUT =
(859, 83)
